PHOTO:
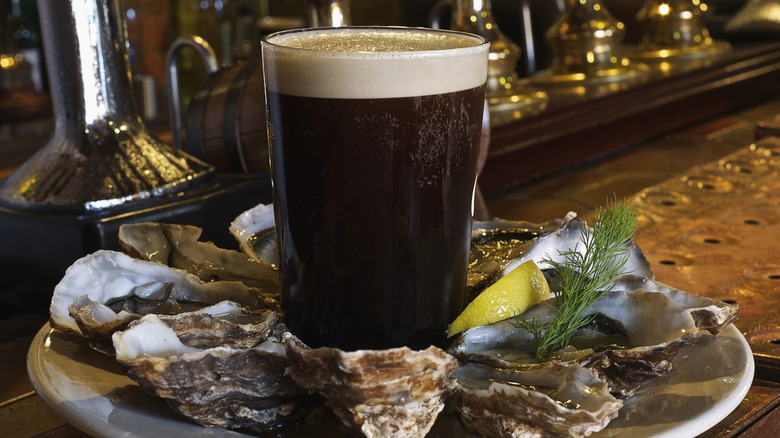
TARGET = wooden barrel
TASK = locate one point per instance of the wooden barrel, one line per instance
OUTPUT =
(225, 123)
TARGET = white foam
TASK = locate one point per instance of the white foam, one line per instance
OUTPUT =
(373, 62)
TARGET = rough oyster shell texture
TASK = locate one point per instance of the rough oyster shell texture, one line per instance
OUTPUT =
(384, 393)
(553, 399)
(182, 360)
(110, 277)
(640, 350)
(178, 247)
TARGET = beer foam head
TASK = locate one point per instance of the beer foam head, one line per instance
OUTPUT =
(373, 62)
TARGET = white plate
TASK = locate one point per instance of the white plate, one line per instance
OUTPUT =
(89, 390)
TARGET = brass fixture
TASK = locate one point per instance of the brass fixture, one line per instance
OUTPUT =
(509, 98)
(327, 13)
(100, 157)
(588, 58)
(675, 35)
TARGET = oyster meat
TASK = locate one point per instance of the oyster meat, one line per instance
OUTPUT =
(396, 392)
(121, 282)
(553, 399)
(96, 322)
(711, 315)
(646, 330)
(215, 383)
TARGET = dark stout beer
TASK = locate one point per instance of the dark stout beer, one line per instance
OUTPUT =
(373, 196)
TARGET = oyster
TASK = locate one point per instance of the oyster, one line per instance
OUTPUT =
(645, 331)
(383, 393)
(225, 324)
(254, 231)
(569, 238)
(552, 399)
(178, 247)
(493, 245)
(711, 315)
(498, 246)
(179, 359)
(626, 370)
(96, 322)
(121, 282)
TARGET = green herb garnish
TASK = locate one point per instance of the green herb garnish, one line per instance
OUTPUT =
(585, 276)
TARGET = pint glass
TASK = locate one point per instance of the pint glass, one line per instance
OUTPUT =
(374, 135)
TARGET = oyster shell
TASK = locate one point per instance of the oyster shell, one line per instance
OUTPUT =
(498, 246)
(384, 393)
(178, 359)
(493, 245)
(647, 331)
(552, 399)
(569, 238)
(178, 247)
(97, 322)
(626, 370)
(711, 315)
(225, 324)
(254, 231)
(121, 282)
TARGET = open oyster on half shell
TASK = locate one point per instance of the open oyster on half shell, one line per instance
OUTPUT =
(551, 399)
(192, 323)
(638, 329)
(105, 290)
(633, 339)
(220, 366)
(498, 246)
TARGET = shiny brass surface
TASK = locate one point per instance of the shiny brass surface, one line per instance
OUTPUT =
(757, 17)
(588, 58)
(714, 231)
(675, 35)
(327, 13)
(508, 97)
(100, 156)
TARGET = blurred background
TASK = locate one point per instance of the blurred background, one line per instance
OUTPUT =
(233, 28)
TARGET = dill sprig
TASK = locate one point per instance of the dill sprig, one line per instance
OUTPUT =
(585, 276)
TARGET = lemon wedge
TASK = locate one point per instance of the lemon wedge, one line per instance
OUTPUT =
(521, 288)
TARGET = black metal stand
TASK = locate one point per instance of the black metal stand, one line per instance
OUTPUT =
(36, 249)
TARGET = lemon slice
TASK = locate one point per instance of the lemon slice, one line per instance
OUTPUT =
(521, 288)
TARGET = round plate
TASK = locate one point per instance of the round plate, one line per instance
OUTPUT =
(89, 390)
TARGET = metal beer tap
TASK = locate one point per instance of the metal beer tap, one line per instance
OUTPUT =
(509, 98)
(327, 13)
(675, 36)
(588, 58)
(100, 157)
